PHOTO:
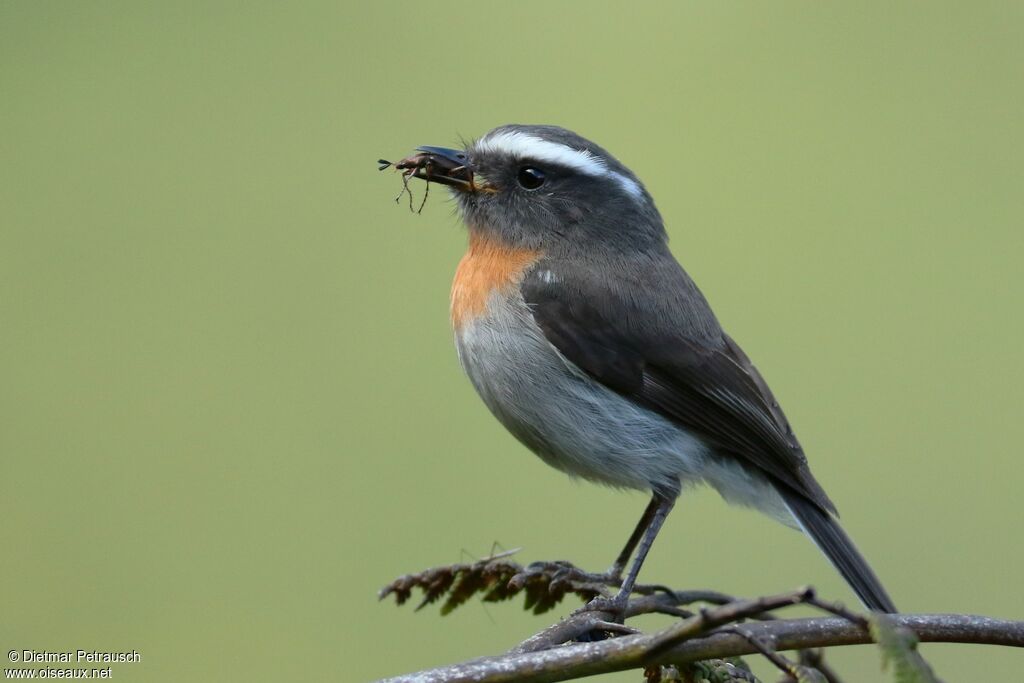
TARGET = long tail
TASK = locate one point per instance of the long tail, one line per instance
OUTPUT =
(840, 550)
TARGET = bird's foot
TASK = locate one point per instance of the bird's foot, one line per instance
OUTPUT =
(562, 574)
(615, 606)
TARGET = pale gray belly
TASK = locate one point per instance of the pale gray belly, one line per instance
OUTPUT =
(568, 419)
(585, 429)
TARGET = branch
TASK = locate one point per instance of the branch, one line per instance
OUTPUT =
(589, 642)
(632, 652)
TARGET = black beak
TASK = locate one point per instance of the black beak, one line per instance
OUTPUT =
(439, 165)
(455, 156)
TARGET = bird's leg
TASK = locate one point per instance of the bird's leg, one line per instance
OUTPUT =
(615, 572)
(613, 576)
(662, 505)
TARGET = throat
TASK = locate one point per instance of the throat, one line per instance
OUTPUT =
(488, 267)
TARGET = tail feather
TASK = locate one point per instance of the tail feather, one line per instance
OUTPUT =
(840, 550)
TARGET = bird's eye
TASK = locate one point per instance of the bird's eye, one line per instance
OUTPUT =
(530, 178)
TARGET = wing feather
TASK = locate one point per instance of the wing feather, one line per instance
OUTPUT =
(704, 383)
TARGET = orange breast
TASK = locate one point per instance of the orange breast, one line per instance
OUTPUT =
(488, 266)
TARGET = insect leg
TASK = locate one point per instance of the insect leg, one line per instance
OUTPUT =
(426, 189)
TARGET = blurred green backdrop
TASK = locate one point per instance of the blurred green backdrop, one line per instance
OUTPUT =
(231, 409)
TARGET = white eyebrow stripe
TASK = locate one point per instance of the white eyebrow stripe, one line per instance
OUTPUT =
(519, 144)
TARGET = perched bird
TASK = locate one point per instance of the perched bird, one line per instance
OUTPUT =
(589, 342)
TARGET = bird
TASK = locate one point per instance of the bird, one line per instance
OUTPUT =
(590, 343)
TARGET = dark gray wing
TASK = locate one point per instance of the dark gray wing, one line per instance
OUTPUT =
(655, 355)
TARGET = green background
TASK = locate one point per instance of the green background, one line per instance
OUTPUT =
(230, 405)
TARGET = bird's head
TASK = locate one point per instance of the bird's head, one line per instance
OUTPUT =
(545, 187)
